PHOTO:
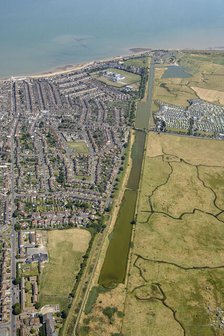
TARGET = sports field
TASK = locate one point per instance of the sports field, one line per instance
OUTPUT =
(176, 278)
(79, 147)
(66, 249)
(129, 79)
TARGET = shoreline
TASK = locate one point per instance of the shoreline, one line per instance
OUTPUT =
(63, 69)
(131, 52)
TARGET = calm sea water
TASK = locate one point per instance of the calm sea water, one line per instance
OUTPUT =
(38, 35)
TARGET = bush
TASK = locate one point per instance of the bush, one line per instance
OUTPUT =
(37, 305)
(120, 314)
(109, 312)
(84, 330)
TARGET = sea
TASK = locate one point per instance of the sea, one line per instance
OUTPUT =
(40, 35)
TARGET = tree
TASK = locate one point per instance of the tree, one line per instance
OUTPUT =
(16, 281)
(16, 309)
(15, 214)
(17, 226)
(37, 305)
(109, 312)
(63, 314)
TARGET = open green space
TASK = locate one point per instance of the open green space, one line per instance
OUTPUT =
(216, 57)
(175, 284)
(27, 270)
(66, 249)
(79, 147)
(140, 62)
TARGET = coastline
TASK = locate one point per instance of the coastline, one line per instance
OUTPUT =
(130, 52)
(63, 69)
(71, 67)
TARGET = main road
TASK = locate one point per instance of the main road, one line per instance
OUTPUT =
(14, 288)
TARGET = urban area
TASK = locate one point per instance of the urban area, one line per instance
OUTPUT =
(62, 144)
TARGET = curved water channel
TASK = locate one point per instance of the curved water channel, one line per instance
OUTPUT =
(115, 263)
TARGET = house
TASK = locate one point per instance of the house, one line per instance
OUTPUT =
(49, 325)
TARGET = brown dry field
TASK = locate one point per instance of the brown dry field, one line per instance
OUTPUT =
(98, 323)
(176, 281)
(193, 150)
(210, 95)
(66, 249)
(77, 238)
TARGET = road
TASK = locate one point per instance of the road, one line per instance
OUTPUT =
(14, 289)
(150, 88)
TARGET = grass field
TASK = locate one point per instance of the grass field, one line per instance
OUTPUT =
(175, 284)
(65, 249)
(27, 270)
(130, 79)
(79, 146)
(140, 62)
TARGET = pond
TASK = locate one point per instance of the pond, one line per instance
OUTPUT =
(175, 71)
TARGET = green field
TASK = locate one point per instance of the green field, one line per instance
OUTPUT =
(27, 270)
(66, 249)
(130, 79)
(176, 278)
(79, 147)
(140, 62)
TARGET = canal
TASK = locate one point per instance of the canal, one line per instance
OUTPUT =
(114, 267)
